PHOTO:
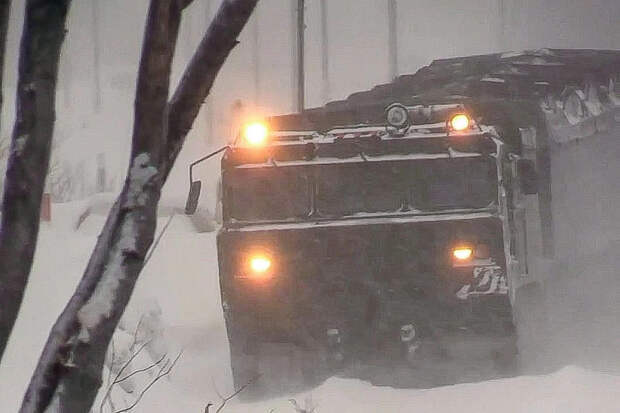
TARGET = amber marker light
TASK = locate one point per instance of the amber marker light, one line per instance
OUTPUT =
(255, 133)
(462, 253)
(459, 122)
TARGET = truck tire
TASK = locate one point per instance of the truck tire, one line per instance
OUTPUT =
(273, 369)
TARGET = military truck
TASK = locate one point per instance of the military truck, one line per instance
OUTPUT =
(404, 234)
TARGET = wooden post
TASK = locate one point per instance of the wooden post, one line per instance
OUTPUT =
(101, 178)
(256, 57)
(393, 39)
(298, 55)
(96, 55)
(324, 51)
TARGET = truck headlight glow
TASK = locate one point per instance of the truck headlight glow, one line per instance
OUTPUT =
(462, 253)
(459, 122)
(255, 133)
(260, 264)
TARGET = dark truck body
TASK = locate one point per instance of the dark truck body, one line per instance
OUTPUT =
(361, 221)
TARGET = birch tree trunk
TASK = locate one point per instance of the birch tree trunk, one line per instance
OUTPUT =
(42, 37)
(68, 374)
(5, 10)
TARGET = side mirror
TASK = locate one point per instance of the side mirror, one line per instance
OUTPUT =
(528, 178)
(192, 198)
(194, 186)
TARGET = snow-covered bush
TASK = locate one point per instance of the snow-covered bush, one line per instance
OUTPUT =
(136, 359)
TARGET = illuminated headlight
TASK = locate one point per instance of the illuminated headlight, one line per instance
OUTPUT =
(397, 115)
(260, 264)
(462, 253)
(459, 122)
(257, 266)
(255, 133)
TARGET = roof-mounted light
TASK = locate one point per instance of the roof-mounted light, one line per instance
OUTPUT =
(255, 133)
(459, 122)
(397, 115)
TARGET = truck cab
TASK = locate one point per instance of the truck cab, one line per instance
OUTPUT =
(372, 242)
(403, 235)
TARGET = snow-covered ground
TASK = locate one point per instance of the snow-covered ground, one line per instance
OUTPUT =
(182, 278)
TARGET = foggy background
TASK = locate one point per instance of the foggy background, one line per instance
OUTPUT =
(94, 121)
(101, 52)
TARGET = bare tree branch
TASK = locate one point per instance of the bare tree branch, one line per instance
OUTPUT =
(156, 243)
(216, 389)
(162, 373)
(135, 334)
(128, 362)
(149, 367)
(42, 37)
(233, 395)
(120, 371)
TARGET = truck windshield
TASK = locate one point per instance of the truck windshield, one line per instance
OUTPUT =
(454, 183)
(269, 194)
(264, 194)
(427, 185)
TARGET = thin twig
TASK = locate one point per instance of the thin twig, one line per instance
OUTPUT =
(133, 373)
(156, 243)
(135, 334)
(134, 355)
(161, 374)
(242, 388)
(215, 388)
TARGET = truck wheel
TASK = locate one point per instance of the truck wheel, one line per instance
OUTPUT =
(273, 369)
(532, 328)
(505, 360)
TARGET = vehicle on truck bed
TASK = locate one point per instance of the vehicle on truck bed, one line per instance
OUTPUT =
(402, 235)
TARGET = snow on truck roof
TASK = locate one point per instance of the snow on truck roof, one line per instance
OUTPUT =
(503, 94)
(515, 76)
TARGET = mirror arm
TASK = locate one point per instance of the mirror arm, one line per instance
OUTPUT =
(204, 158)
